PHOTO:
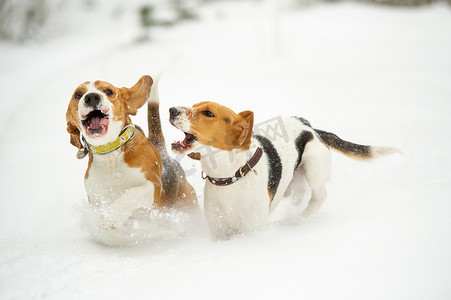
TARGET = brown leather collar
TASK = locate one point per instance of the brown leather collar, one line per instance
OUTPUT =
(241, 171)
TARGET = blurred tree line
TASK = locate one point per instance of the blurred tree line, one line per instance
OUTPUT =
(22, 20)
(399, 2)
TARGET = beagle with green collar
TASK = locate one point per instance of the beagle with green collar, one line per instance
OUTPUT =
(126, 170)
(247, 173)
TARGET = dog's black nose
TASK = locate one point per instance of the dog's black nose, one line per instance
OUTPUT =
(92, 100)
(174, 112)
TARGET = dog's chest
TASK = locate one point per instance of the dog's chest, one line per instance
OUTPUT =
(243, 205)
(109, 177)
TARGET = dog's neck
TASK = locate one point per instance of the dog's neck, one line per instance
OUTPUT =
(221, 163)
(127, 133)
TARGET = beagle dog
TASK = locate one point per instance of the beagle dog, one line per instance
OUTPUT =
(126, 170)
(248, 173)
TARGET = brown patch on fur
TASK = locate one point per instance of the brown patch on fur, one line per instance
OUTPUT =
(154, 126)
(186, 195)
(140, 153)
(214, 131)
(137, 95)
(127, 101)
(73, 122)
(245, 125)
(271, 197)
(74, 135)
(89, 165)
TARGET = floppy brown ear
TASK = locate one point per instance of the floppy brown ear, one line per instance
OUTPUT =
(137, 95)
(74, 135)
(71, 128)
(244, 125)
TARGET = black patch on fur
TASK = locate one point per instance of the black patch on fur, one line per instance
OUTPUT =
(170, 175)
(274, 164)
(335, 142)
(303, 121)
(300, 142)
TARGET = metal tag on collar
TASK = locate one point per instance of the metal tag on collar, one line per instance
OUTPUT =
(81, 153)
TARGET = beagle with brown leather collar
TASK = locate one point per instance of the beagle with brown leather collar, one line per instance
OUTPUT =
(126, 171)
(248, 174)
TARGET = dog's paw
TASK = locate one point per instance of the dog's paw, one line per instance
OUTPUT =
(110, 221)
(107, 224)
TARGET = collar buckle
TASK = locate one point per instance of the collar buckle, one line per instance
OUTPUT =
(243, 171)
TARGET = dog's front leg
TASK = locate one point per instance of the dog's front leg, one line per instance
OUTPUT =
(214, 214)
(120, 210)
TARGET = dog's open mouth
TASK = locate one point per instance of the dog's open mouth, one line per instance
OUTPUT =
(96, 123)
(184, 145)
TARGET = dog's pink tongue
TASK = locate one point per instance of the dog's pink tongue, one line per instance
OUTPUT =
(95, 122)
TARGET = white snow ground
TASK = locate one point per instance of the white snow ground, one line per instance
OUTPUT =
(373, 75)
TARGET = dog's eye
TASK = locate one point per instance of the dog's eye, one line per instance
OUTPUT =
(207, 113)
(109, 92)
(78, 95)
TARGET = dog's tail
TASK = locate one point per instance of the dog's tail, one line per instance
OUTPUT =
(153, 117)
(355, 151)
